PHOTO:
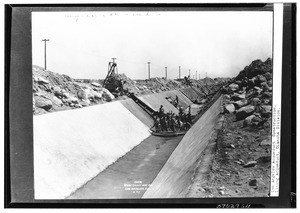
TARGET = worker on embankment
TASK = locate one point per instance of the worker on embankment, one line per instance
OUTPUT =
(189, 116)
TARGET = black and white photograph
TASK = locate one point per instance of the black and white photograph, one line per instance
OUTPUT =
(152, 104)
(156, 103)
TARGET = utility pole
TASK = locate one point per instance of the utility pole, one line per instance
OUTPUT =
(179, 72)
(166, 72)
(206, 74)
(189, 73)
(45, 40)
(199, 76)
(149, 70)
(196, 74)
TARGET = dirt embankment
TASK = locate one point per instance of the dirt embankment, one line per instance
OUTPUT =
(241, 164)
(55, 92)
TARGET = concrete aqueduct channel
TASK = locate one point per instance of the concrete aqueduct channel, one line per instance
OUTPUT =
(106, 151)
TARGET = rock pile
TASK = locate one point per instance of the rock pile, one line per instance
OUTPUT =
(53, 92)
(249, 96)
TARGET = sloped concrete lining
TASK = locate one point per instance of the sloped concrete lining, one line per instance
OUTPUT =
(141, 164)
(195, 108)
(202, 90)
(71, 147)
(175, 177)
(182, 99)
(190, 93)
(138, 112)
(155, 100)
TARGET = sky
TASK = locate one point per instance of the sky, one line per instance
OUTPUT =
(82, 44)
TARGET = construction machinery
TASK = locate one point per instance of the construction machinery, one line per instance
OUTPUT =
(112, 82)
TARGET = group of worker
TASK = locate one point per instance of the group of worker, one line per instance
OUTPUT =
(171, 122)
(187, 80)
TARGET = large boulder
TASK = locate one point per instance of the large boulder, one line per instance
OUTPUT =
(266, 142)
(96, 84)
(255, 101)
(270, 83)
(81, 94)
(56, 101)
(244, 112)
(268, 76)
(266, 94)
(265, 111)
(93, 94)
(261, 79)
(267, 101)
(237, 96)
(89, 93)
(240, 103)
(98, 95)
(229, 108)
(77, 105)
(258, 90)
(251, 82)
(41, 80)
(65, 94)
(43, 103)
(58, 92)
(85, 102)
(226, 97)
(265, 87)
(233, 87)
(107, 95)
(71, 100)
(256, 120)
(248, 120)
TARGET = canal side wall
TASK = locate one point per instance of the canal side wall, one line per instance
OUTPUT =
(174, 179)
(71, 147)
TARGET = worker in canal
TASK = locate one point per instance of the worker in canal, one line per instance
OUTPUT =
(172, 123)
(178, 122)
(180, 113)
(176, 101)
(157, 124)
(161, 111)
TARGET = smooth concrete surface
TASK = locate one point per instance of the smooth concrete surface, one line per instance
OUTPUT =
(138, 112)
(190, 93)
(174, 179)
(182, 99)
(131, 174)
(195, 108)
(155, 100)
(71, 147)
